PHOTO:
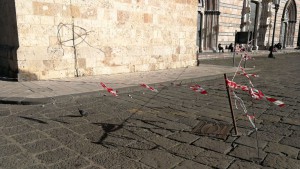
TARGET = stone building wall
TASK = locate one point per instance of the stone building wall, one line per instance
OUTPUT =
(70, 38)
(235, 15)
(43, 39)
(230, 20)
(293, 24)
(265, 40)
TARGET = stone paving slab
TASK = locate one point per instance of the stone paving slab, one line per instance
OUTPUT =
(275, 161)
(153, 130)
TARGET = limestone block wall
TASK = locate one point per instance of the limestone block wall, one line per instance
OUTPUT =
(230, 20)
(70, 38)
(279, 22)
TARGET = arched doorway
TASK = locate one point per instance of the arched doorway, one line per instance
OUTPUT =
(298, 41)
(289, 19)
(199, 31)
(200, 26)
(211, 25)
(283, 33)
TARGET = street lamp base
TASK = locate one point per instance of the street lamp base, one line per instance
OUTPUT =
(271, 56)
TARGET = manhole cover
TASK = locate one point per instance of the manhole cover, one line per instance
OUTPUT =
(206, 128)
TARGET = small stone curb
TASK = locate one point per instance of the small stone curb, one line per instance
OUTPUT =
(38, 101)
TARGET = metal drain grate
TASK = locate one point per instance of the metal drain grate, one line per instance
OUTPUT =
(207, 128)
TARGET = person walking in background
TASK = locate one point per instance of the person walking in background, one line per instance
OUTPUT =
(230, 47)
(220, 48)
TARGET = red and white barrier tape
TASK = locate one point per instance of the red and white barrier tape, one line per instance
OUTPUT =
(110, 90)
(251, 118)
(275, 101)
(255, 94)
(239, 49)
(148, 87)
(258, 95)
(198, 88)
(252, 75)
(246, 74)
(247, 57)
(234, 85)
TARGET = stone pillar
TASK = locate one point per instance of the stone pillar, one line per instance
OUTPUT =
(201, 32)
(291, 33)
(264, 22)
(257, 24)
(269, 23)
(217, 27)
(245, 20)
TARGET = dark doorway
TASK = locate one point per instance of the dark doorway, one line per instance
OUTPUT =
(253, 18)
(289, 19)
(298, 41)
(199, 31)
(211, 25)
(283, 34)
(9, 42)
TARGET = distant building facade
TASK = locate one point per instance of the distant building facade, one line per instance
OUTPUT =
(43, 39)
(219, 19)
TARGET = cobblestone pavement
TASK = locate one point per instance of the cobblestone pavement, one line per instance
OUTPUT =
(144, 129)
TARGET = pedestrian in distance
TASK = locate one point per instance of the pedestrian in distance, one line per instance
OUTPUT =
(220, 48)
(230, 47)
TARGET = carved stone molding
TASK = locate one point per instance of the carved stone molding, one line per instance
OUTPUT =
(246, 10)
(212, 12)
(268, 1)
(264, 26)
(269, 14)
(292, 21)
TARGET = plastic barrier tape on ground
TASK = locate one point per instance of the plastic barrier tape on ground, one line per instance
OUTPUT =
(110, 90)
(255, 94)
(251, 118)
(275, 101)
(246, 74)
(198, 88)
(148, 87)
(258, 95)
(239, 49)
(247, 57)
(252, 75)
(234, 85)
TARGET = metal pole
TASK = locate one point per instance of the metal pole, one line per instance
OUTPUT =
(271, 52)
(74, 49)
(234, 47)
(230, 104)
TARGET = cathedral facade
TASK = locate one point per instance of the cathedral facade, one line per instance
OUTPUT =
(219, 20)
